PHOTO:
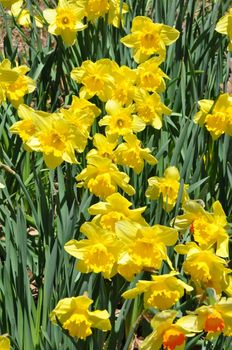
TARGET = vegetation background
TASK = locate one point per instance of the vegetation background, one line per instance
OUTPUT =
(41, 209)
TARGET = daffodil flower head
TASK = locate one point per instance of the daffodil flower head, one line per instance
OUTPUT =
(150, 76)
(214, 319)
(148, 38)
(15, 89)
(130, 153)
(224, 26)
(22, 16)
(8, 3)
(74, 316)
(150, 108)
(124, 85)
(104, 147)
(168, 186)
(208, 229)
(161, 293)
(117, 11)
(216, 115)
(145, 247)
(103, 178)
(65, 20)
(98, 253)
(121, 121)
(167, 334)
(114, 209)
(96, 77)
(205, 268)
(4, 342)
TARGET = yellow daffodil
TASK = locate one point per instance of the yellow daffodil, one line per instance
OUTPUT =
(168, 186)
(208, 229)
(103, 178)
(15, 90)
(4, 342)
(120, 121)
(124, 85)
(96, 8)
(65, 20)
(97, 78)
(224, 26)
(98, 253)
(81, 114)
(115, 208)
(51, 134)
(8, 3)
(216, 115)
(161, 293)
(150, 108)
(148, 38)
(73, 315)
(144, 247)
(116, 13)
(166, 334)
(130, 153)
(22, 15)
(213, 319)
(150, 76)
(205, 268)
(104, 147)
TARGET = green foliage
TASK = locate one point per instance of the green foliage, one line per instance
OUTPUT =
(40, 209)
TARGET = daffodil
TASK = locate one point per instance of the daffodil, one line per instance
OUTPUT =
(130, 153)
(144, 247)
(22, 15)
(73, 315)
(103, 178)
(167, 334)
(121, 121)
(205, 268)
(208, 229)
(117, 10)
(65, 20)
(124, 85)
(15, 90)
(216, 115)
(148, 38)
(104, 147)
(214, 319)
(168, 186)
(96, 77)
(4, 342)
(224, 26)
(98, 253)
(150, 77)
(114, 209)
(8, 3)
(81, 114)
(161, 293)
(150, 108)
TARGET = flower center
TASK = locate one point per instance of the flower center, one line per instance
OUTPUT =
(214, 322)
(65, 20)
(172, 337)
(120, 123)
(78, 326)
